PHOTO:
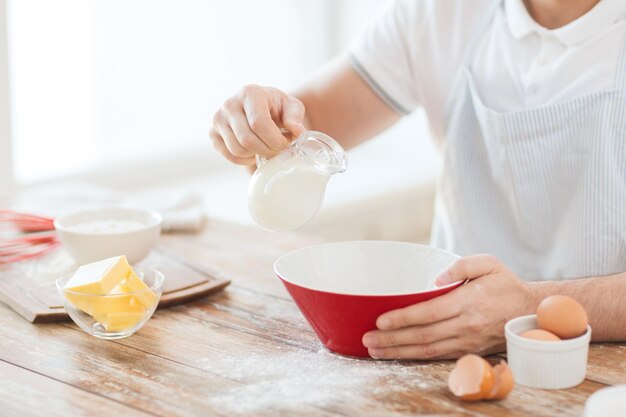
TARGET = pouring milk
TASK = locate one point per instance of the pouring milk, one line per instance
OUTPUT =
(287, 190)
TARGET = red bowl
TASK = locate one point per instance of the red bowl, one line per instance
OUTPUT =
(341, 288)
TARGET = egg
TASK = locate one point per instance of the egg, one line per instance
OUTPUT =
(503, 382)
(538, 334)
(473, 379)
(563, 316)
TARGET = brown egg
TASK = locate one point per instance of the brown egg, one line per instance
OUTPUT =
(538, 334)
(471, 379)
(503, 382)
(563, 316)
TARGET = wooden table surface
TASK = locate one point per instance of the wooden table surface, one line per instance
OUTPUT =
(245, 351)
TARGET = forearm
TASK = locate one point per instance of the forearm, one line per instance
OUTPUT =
(604, 298)
(339, 103)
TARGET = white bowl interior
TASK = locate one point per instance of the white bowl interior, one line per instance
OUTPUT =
(145, 217)
(365, 267)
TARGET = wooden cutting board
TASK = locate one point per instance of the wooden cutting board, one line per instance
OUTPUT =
(29, 289)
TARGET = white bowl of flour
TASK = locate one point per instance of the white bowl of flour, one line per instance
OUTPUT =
(93, 235)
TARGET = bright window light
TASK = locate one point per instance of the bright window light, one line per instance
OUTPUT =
(109, 82)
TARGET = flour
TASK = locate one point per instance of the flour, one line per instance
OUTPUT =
(107, 227)
(288, 379)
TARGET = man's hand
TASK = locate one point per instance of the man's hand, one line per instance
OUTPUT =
(250, 122)
(468, 319)
(338, 102)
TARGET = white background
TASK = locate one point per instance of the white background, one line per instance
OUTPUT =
(121, 93)
(96, 83)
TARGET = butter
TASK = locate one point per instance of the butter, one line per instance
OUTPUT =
(146, 296)
(121, 320)
(96, 305)
(128, 300)
(100, 277)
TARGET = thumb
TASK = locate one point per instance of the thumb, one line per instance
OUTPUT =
(470, 267)
(292, 116)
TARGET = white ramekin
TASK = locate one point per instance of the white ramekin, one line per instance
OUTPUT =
(542, 364)
(86, 247)
(607, 402)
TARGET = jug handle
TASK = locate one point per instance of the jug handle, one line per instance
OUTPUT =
(260, 160)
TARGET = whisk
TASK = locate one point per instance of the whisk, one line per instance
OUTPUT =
(37, 236)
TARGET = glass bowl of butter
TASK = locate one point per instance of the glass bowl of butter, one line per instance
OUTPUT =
(109, 299)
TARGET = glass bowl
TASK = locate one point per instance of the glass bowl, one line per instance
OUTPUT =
(113, 316)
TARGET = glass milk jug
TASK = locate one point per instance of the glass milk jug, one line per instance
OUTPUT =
(287, 190)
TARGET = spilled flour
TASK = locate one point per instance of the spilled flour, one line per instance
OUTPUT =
(289, 379)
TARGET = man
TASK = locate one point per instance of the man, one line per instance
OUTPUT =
(528, 100)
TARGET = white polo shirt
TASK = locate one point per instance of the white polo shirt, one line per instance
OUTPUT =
(412, 54)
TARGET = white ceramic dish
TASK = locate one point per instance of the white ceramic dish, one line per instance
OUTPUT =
(607, 402)
(87, 246)
(543, 364)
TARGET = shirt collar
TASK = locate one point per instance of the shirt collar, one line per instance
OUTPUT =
(598, 19)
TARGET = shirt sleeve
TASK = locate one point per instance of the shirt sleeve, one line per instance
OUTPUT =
(382, 55)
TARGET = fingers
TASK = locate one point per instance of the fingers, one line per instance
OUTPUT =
(249, 123)
(430, 333)
(220, 146)
(292, 115)
(424, 313)
(233, 146)
(260, 122)
(245, 136)
(470, 267)
(443, 348)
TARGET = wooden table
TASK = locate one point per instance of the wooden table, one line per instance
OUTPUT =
(245, 351)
